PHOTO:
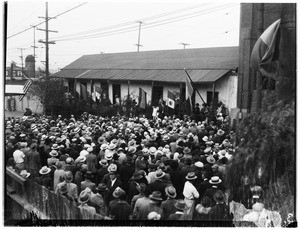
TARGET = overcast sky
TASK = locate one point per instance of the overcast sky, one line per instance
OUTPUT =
(112, 27)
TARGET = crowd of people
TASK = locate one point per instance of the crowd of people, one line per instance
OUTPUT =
(127, 168)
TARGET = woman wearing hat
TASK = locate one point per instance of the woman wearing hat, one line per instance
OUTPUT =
(190, 193)
(86, 211)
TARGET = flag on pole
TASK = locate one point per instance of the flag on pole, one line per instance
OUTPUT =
(142, 99)
(97, 92)
(26, 87)
(189, 90)
(171, 100)
(83, 91)
(264, 49)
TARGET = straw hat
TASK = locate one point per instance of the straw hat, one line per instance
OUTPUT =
(156, 195)
(170, 191)
(84, 197)
(191, 176)
(215, 180)
(44, 170)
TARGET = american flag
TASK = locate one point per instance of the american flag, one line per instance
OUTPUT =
(26, 86)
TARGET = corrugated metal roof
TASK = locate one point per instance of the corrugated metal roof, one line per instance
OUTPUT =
(203, 65)
(198, 76)
(204, 58)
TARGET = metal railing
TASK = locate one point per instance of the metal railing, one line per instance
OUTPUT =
(44, 202)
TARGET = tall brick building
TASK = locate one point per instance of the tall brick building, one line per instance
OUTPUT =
(255, 18)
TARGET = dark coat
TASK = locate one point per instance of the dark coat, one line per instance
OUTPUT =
(160, 185)
(178, 180)
(220, 215)
(203, 187)
(110, 189)
(126, 172)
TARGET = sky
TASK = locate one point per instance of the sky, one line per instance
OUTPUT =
(95, 27)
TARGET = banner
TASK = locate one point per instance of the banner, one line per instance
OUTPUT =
(142, 99)
(171, 100)
(26, 86)
(264, 49)
(189, 90)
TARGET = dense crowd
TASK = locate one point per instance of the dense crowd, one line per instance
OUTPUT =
(127, 168)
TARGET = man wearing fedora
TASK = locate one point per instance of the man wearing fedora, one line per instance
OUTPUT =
(112, 184)
(86, 211)
(168, 205)
(180, 209)
(190, 193)
(71, 187)
(216, 185)
(45, 179)
(152, 206)
(87, 183)
(220, 213)
(102, 171)
(120, 210)
(160, 183)
(97, 199)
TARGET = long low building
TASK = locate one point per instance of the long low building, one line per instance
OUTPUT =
(212, 70)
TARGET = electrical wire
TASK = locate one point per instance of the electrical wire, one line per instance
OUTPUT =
(150, 25)
(46, 20)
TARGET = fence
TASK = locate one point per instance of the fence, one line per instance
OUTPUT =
(46, 204)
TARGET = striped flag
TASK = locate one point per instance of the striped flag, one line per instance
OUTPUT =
(142, 99)
(189, 90)
(171, 100)
(26, 86)
(264, 49)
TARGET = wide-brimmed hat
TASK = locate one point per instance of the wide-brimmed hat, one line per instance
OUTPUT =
(101, 140)
(152, 150)
(205, 138)
(141, 187)
(159, 174)
(170, 191)
(219, 196)
(112, 168)
(24, 174)
(215, 180)
(111, 146)
(90, 149)
(55, 146)
(118, 192)
(81, 159)
(84, 197)
(210, 159)
(186, 150)
(156, 195)
(220, 132)
(44, 170)
(103, 146)
(53, 153)
(199, 164)
(68, 176)
(180, 205)
(207, 150)
(103, 162)
(153, 216)
(63, 189)
(69, 160)
(101, 187)
(191, 176)
(131, 149)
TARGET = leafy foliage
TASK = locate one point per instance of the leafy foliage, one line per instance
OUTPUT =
(266, 154)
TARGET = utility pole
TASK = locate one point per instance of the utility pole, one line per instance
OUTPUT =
(138, 44)
(47, 42)
(22, 59)
(34, 47)
(184, 44)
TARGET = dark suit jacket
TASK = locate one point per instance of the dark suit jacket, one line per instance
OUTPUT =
(159, 185)
(110, 189)
(178, 180)
(203, 187)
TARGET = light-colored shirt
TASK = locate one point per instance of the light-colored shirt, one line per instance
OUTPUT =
(18, 156)
(189, 191)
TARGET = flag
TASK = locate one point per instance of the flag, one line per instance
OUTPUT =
(189, 90)
(171, 99)
(26, 87)
(83, 91)
(142, 99)
(264, 49)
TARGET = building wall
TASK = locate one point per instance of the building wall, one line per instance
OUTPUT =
(254, 19)
(28, 101)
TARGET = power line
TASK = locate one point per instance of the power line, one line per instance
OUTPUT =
(45, 20)
(150, 25)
